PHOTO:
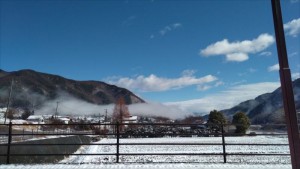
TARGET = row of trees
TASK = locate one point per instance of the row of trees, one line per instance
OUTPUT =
(240, 120)
(11, 113)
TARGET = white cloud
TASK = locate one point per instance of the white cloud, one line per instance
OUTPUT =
(294, 1)
(273, 68)
(238, 82)
(176, 25)
(155, 83)
(267, 53)
(188, 72)
(169, 28)
(157, 109)
(203, 87)
(128, 21)
(292, 28)
(219, 83)
(71, 106)
(252, 70)
(239, 57)
(242, 74)
(293, 54)
(226, 99)
(295, 75)
(238, 51)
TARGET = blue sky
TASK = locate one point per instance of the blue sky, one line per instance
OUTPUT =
(189, 54)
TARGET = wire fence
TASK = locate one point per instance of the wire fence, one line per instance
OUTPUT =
(20, 135)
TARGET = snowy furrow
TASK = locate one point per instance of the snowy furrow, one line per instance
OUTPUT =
(191, 149)
(150, 166)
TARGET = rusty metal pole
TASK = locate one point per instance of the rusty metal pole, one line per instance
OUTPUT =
(223, 143)
(9, 143)
(286, 87)
(118, 141)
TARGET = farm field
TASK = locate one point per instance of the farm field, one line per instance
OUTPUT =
(238, 150)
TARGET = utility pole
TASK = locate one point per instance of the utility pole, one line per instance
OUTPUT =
(286, 87)
(105, 115)
(105, 121)
(56, 113)
(8, 102)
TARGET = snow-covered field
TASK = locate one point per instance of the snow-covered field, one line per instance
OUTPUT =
(193, 162)
(150, 166)
(190, 149)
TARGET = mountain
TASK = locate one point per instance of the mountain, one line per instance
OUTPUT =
(35, 88)
(266, 108)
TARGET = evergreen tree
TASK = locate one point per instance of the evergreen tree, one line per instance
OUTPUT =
(216, 119)
(26, 114)
(242, 122)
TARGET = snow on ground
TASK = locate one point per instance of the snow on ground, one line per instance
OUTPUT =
(149, 166)
(255, 159)
(194, 162)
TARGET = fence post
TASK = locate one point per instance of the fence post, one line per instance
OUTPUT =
(9, 142)
(118, 141)
(223, 143)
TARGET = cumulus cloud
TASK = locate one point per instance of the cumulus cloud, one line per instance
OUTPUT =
(226, 99)
(239, 57)
(273, 68)
(238, 51)
(154, 83)
(292, 28)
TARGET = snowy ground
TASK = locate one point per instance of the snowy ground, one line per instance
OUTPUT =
(162, 162)
(149, 166)
(255, 159)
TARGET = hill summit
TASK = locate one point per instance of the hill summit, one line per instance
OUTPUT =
(266, 108)
(32, 88)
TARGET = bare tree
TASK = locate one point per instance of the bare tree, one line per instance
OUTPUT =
(120, 112)
(10, 114)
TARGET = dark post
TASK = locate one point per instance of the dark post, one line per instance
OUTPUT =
(8, 143)
(223, 143)
(286, 86)
(118, 141)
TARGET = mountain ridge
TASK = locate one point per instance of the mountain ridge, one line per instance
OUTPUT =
(27, 83)
(266, 108)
